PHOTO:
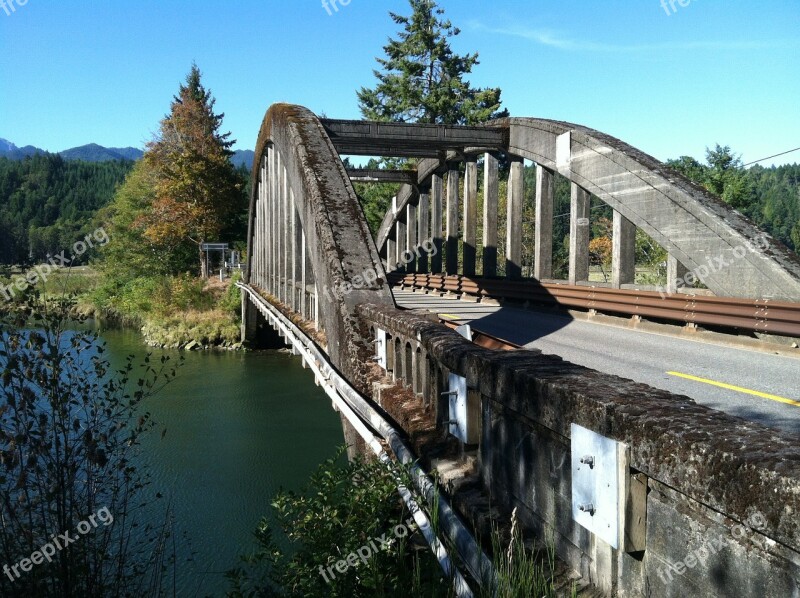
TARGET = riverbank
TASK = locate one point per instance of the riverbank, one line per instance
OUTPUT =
(170, 312)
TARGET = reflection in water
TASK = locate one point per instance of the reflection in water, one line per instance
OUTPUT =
(238, 428)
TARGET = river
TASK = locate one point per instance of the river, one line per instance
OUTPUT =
(239, 426)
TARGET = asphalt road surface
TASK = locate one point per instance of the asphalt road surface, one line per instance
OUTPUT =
(756, 385)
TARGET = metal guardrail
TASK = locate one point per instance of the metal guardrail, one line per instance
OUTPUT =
(752, 315)
(359, 412)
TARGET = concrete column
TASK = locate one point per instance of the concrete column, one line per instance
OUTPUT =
(287, 224)
(304, 258)
(516, 195)
(470, 216)
(423, 230)
(297, 288)
(273, 208)
(264, 226)
(451, 252)
(255, 265)
(391, 255)
(491, 193)
(279, 215)
(676, 272)
(437, 193)
(400, 236)
(411, 238)
(623, 253)
(543, 241)
(579, 230)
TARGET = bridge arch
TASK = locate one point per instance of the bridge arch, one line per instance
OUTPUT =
(309, 245)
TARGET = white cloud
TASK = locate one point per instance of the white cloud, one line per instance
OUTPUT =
(554, 39)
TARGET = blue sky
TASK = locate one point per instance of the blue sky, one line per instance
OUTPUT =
(80, 71)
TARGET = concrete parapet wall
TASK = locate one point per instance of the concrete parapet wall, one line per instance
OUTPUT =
(719, 496)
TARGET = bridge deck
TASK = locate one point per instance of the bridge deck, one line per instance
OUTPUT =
(642, 356)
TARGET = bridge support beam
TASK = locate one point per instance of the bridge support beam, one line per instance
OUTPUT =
(543, 239)
(623, 251)
(401, 244)
(437, 193)
(391, 254)
(491, 193)
(451, 257)
(676, 272)
(470, 215)
(516, 195)
(410, 257)
(579, 228)
(423, 229)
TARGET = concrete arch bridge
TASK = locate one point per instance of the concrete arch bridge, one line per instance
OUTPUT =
(631, 482)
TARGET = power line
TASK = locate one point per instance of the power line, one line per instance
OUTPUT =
(768, 157)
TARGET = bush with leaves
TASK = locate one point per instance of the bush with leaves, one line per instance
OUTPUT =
(344, 507)
(70, 427)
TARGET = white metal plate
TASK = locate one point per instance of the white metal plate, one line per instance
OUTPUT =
(597, 484)
(380, 348)
(458, 406)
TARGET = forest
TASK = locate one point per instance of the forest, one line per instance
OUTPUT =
(48, 203)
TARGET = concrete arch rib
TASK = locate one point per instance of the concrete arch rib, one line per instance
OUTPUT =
(341, 251)
(695, 227)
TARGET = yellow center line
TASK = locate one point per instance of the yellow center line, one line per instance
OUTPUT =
(450, 317)
(763, 395)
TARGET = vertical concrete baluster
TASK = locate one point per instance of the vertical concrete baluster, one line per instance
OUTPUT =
(411, 237)
(516, 195)
(623, 252)
(579, 229)
(400, 236)
(287, 248)
(491, 192)
(273, 208)
(437, 193)
(543, 242)
(451, 257)
(423, 230)
(391, 254)
(676, 272)
(303, 290)
(470, 215)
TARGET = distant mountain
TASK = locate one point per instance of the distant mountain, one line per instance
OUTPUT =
(243, 157)
(11, 151)
(97, 153)
(93, 152)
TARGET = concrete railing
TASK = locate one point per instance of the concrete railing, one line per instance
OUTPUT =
(708, 503)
